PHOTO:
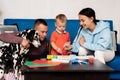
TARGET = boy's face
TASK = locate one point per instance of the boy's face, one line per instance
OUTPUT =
(60, 25)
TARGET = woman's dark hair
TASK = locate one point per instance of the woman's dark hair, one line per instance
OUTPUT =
(40, 21)
(89, 12)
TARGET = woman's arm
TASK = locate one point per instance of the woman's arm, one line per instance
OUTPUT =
(103, 42)
(75, 44)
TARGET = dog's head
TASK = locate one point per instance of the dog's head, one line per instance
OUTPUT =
(32, 35)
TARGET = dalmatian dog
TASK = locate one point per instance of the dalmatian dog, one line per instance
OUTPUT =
(12, 56)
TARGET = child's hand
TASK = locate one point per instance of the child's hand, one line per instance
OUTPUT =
(69, 52)
(59, 50)
(67, 46)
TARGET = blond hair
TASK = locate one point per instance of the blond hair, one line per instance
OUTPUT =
(61, 17)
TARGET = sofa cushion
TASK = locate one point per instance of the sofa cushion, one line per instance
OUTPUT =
(115, 76)
(115, 63)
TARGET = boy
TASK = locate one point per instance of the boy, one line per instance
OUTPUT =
(60, 39)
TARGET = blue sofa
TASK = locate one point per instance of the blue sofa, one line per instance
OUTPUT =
(72, 28)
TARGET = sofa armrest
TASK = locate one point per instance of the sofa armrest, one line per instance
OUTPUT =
(114, 40)
(118, 49)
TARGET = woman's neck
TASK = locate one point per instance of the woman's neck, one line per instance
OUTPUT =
(92, 27)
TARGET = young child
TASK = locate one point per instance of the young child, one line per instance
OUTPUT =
(60, 39)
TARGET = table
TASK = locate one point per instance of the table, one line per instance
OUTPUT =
(69, 71)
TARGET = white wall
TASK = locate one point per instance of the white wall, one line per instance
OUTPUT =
(105, 9)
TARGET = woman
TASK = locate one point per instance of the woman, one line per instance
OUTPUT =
(94, 37)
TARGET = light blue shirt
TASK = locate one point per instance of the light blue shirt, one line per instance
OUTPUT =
(100, 39)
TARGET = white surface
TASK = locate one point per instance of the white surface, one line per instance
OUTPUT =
(83, 57)
(66, 59)
(62, 59)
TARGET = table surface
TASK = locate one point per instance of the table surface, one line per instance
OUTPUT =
(97, 66)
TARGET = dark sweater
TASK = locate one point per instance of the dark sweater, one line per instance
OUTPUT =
(34, 53)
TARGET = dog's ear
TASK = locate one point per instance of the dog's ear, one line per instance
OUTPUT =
(30, 35)
(27, 34)
(23, 33)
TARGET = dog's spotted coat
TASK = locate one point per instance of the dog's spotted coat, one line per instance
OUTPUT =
(12, 55)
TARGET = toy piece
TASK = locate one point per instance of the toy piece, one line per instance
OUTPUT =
(74, 61)
(91, 60)
(49, 57)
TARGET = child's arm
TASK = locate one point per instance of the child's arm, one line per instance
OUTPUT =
(67, 45)
(56, 48)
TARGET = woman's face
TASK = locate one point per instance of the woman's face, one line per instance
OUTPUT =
(85, 21)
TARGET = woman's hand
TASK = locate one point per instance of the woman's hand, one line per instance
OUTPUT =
(25, 43)
(82, 41)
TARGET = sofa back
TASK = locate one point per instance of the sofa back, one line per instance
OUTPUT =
(72, 25)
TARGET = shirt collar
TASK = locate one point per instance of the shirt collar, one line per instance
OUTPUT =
(59, 31)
